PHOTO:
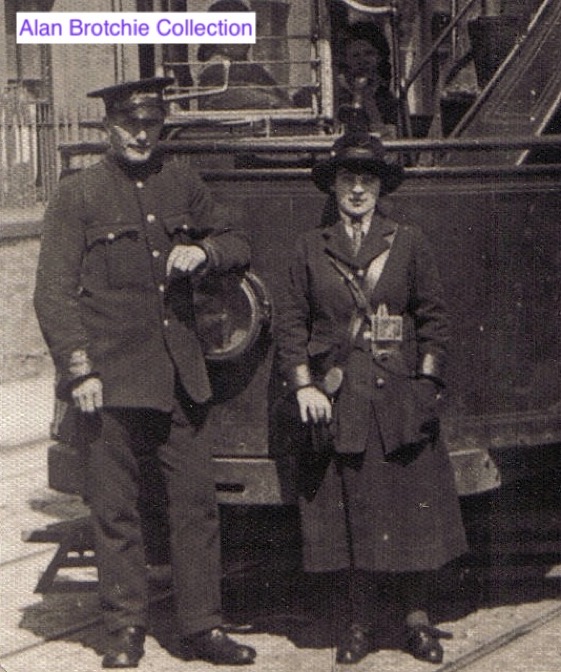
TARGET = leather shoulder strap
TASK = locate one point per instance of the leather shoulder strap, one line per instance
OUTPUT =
(361, 298)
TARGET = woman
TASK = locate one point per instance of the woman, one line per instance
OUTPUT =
(366, 75)
(362, 337)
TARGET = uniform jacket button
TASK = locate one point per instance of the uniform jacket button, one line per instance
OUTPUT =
(150, 218)
(380, 382)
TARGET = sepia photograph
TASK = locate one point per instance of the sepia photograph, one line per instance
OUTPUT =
(280, 363)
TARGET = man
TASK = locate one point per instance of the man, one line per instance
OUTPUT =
(123, 241)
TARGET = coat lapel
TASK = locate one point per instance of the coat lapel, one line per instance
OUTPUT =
(338, 243)
(376, 241)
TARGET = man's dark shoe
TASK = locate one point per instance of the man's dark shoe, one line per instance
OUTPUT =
(423, 643)
(127, 648)
(355, 645)
(216, 647)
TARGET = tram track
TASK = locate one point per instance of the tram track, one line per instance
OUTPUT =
(27, 556)
(519, 543)
(72, 630)
(467, 660)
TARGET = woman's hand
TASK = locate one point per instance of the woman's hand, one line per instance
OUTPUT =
(313, 405)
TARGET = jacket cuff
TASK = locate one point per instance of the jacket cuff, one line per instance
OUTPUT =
(299, 376)
(79, 364)
(432, 367)
(212, 257)
(78, 368)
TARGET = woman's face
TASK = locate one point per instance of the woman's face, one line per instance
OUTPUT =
(356, 192)
(361, 58)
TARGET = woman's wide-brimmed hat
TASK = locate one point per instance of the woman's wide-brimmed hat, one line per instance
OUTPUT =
(358, 151)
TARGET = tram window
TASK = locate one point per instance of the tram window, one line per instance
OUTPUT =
(366, 64)
(364, 77)
(278, 74)
(248, 85)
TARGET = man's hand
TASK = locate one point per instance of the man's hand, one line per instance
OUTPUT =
(185, 258)
(88, 396)
(313, 405)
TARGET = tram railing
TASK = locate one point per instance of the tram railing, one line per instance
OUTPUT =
(306, 149)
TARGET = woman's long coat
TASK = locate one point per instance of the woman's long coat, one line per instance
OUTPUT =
(384, 498)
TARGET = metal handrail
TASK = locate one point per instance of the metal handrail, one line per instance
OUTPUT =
(368, 9)
(406, 85)
(299, 144)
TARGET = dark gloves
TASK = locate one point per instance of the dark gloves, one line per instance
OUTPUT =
(429, 397)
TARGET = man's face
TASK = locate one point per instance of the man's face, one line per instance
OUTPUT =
(356, 192)
(134, 137)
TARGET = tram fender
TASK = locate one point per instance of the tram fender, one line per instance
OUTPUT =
(475, 471)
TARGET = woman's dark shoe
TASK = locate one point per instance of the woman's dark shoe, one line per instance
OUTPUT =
(216, 647)
(423, 642)
(355, 645)
(126, 649)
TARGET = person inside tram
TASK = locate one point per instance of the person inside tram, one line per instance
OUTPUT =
(250, 86)
(365, 76)
(362, 335)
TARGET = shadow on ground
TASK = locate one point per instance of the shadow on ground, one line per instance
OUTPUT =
(515, 537)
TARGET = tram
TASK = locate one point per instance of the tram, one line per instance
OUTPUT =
(477, 92)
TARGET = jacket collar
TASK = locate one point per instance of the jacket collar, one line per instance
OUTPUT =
(140, 172)
(338, 244)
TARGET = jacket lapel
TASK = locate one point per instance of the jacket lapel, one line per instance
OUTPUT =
(338, 243)
(376, 241)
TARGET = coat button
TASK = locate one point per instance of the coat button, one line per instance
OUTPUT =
(155, 253)
(161, 288)
(166, 323)
(360, 272)
(110, 236)
(380, 382)
(140, 184)
(150, 218)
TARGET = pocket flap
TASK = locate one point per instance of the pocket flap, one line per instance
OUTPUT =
(107, 232)
(316, 348)
(177, 222)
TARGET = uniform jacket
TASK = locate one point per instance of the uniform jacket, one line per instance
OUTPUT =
(314, 321)
(102, 298)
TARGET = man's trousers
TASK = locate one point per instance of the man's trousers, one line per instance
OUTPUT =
(133, 443)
